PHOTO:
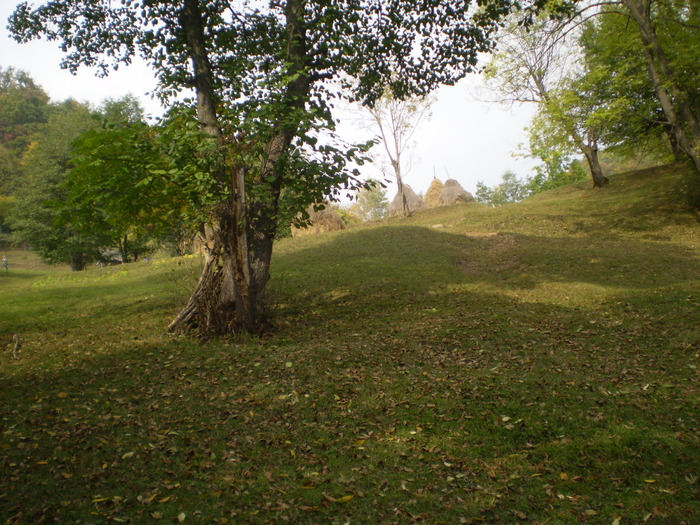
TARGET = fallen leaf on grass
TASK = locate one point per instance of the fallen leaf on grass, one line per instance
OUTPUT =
(343, 499)
(520, 515)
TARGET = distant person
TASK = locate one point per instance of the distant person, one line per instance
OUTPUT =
(5, 263)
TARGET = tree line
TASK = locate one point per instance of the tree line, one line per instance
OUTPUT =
(47, 202)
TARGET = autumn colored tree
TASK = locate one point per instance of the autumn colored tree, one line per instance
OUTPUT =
(24, 108)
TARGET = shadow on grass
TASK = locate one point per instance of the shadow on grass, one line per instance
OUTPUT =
(12, 276)
(64, 304)
(389, 409)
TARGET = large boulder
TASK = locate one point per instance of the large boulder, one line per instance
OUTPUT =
(432, 196)
(321, 221)
(413, 201)
(453, 193)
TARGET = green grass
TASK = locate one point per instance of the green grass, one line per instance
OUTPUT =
(466, 365)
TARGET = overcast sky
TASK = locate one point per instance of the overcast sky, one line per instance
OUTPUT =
(468, 140)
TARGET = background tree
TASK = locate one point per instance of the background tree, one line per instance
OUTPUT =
(660, 24)
(510, 190)
(371, 203)
(557, 165)
(39, 218)
(107, 191)
(534, 64)
(615, 65)
(263, 82)
(396, 121)
(645, 54)
(24, 108)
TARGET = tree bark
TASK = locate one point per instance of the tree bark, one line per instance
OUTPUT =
(123, 249)
(591, 154)
(587, 146)
(77, 263)
(396, 164)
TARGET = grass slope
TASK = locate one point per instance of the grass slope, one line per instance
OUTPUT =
(533, 362)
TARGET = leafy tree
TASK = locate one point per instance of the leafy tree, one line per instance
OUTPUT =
(554, 152)
(615, 65)
(122, 112)
(556, 170)
(533, 64)
(6, 205)
(510, 190)
(676, 90)
(39, 217)
(23, 109)
(371, 203)
(347, 215)
(651, 80)
(263, 79)
(138, 182)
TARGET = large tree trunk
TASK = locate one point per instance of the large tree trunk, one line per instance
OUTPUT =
(223, 301)
(230, 294)
(678, 154)
(220, 302)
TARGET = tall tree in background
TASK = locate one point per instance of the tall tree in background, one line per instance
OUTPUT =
(534, 64)
(105, 190)
(263, 81)
(676, 90)
(38, 218)
(24, 107)
(396, 121)
(510, 190)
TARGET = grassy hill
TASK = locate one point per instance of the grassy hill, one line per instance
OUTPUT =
(536, 362)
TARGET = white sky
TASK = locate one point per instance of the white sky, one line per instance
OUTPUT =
(469, 140)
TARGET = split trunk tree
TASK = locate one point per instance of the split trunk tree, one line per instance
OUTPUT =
(230, 294)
